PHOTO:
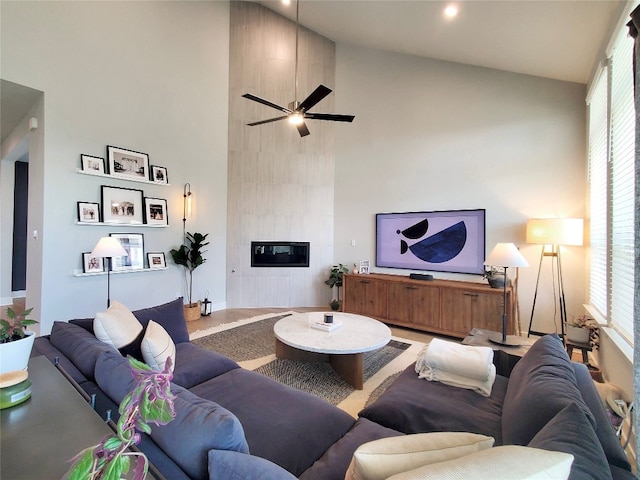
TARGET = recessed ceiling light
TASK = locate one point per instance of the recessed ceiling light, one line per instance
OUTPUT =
(286, 2)
(451, 11)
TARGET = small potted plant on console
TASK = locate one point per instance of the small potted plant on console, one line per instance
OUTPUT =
(15, 341)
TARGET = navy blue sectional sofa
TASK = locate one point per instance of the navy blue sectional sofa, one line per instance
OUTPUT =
(233, 423)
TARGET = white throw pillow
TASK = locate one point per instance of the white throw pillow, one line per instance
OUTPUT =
(157, 347)
(117, 326)
(508, 462)
(379, 459)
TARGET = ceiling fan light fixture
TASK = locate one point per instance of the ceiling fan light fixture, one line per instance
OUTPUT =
(296, 118)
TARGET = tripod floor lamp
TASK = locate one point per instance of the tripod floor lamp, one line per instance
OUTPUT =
(108, 247)
(505, 255)
(551, 233)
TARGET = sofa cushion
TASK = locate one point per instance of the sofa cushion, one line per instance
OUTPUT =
(117, 327)
(335, 461)
(284, 425)
(382, 458)
(195, 365)
(199, 426)
(170, 315)
(230, 465)
(571, 432)
(79, 346)
(157, 347)
(541, 384)
(603, 428)
(411, 405)
(511, 462)
(113, 375)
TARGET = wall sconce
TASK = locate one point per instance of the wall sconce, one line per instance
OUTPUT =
(186, 206)
(206, 305)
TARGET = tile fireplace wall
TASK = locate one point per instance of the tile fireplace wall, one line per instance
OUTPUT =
(280, 186)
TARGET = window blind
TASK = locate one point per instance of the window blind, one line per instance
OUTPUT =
(598, 155)
(621, 187)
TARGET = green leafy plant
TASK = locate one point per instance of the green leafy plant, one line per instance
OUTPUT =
(335, 280)
(189, 255)
(151, 401)
(14, 329)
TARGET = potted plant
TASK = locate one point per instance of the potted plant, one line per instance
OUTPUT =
(151, 401)
(494, 276)
(15, 341)
(579, 328)
(189, 255)
(335, 280)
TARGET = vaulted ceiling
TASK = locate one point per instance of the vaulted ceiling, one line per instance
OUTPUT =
(556, 39)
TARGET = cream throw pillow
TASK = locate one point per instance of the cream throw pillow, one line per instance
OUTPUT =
(382, 458)
(508, 462)
(157, 347)
(117, 326)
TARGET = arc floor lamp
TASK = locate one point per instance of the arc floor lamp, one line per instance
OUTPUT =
(552, 233)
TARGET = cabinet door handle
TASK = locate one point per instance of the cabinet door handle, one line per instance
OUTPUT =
(470, 294)
(411, 287)
(365, 281)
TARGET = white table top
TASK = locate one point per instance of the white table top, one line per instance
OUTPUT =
(357, 334)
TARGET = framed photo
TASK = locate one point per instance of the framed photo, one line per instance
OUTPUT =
(364, 266)
(159, 174)
(127, 163)
(92, 164)
(133, 243)
(156, 260)
(91, 264)
(122, 205)
(155, 211)
(440, 241)
(88, 212)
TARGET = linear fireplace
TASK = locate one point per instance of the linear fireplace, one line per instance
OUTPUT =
(279, 254)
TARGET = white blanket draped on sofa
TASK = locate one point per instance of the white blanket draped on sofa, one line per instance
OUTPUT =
(463, 366)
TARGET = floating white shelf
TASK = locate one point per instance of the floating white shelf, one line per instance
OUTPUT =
(80, 273)
(108, 224)
(121, 177)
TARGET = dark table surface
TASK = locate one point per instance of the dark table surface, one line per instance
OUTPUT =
(39, 436)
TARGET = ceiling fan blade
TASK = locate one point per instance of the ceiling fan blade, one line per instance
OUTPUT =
(268, 120)
(317, 95)
(266, 102)
(302, 129)
(330, 116)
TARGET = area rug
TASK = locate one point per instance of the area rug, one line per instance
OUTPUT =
(251, 343)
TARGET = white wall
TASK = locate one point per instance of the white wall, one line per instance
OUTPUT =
(148, 76)
(434, 135)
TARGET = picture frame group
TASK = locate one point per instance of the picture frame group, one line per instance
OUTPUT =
(124, 206)
(133, 244)
(124, 163)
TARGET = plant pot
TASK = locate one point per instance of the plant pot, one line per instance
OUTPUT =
(577, 334)
(15, 355)
(496, 280)
(335, 305)
(192, 312)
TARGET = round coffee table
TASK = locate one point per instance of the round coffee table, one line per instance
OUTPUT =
(343, 348)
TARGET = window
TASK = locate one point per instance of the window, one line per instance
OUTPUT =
(611, 188)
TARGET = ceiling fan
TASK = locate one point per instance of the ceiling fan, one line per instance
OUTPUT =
(297, 112)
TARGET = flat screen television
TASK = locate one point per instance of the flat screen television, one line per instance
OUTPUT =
(439, 241)
(279, 254)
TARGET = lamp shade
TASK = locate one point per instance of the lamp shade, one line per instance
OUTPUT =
(506, 255)
(555, 231)
(108, 247)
